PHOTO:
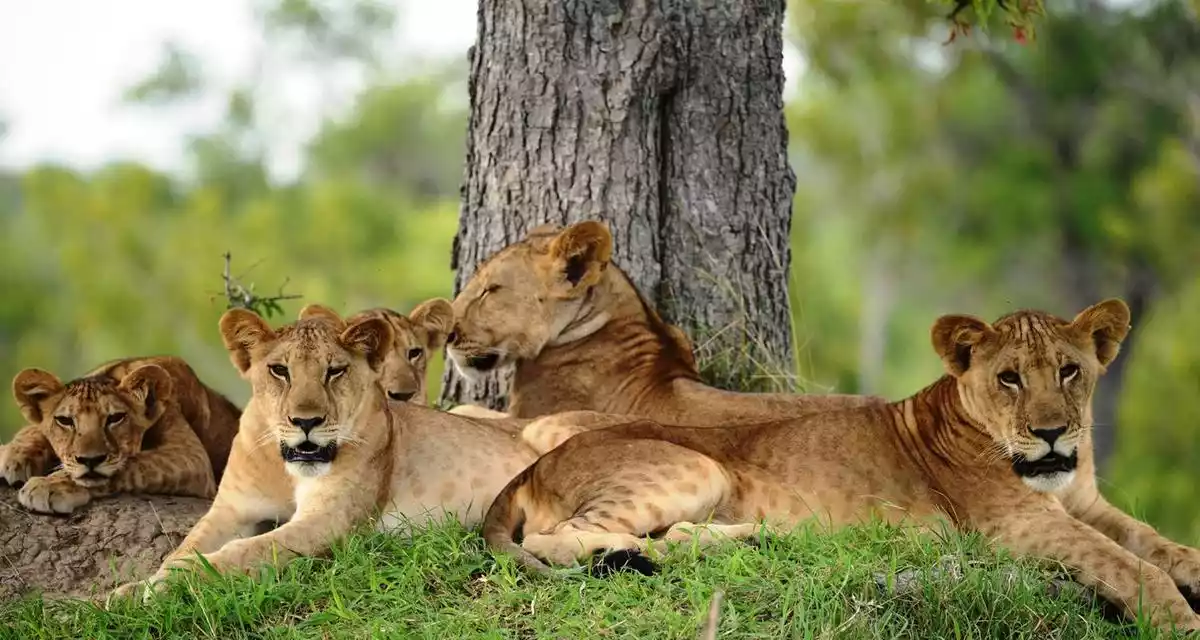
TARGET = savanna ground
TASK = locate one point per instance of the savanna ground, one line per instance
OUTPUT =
(872, 581)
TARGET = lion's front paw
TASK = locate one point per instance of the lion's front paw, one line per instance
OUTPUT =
(55, 493)
(16, 467)
(143, 589)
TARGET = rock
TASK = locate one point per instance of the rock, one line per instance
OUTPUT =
(107, 542)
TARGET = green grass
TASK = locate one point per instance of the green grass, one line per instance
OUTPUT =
(444, 584)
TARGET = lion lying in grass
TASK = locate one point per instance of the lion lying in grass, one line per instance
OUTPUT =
(1001, 444)
(579, 335)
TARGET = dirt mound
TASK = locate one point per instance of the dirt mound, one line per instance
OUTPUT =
(106, 542)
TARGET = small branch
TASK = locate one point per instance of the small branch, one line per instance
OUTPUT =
(714, 614)
(241, 296)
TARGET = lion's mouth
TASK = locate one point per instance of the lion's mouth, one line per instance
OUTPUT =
(1048, 464)
(308, 451)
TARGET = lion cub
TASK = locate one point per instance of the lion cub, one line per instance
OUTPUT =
(1001, 444)
(145, 425)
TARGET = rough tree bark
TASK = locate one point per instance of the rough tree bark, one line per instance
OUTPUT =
(76, 555)
(662, 118)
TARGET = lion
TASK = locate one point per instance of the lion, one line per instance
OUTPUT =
(578, 335)
(415, 337)
(144, 425)
(322, 447)
(1001, 444)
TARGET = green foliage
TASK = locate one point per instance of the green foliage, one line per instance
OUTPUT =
(177, 77)
(444, 584)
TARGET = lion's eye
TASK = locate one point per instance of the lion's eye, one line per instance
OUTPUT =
(333, 372)
(415, 352)
(491, 288)
(1010, 379)
(114, 419)
(1068, 372)
(279, 371)
(64, 421)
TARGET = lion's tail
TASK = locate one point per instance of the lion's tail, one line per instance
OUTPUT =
(506, 517)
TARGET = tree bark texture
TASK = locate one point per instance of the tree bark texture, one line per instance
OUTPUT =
(76, 555)
(663, 118)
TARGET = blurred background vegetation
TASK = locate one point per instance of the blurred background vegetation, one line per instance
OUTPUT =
(978, 177)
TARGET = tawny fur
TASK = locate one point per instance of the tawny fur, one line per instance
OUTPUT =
(416, 336)
(145, 425)
(581, 337)
(398, 462)
(957, 450)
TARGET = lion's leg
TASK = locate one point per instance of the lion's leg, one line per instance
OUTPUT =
(329, 509)
(636, 497)
(251, 491)
(1180, 562)
(708, 534)
(579, 538)
(1116, 574)
(179, 466)
(1084, 501)
(27, 455)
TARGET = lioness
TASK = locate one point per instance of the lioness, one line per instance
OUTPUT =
(323, 448)
(580, 336)
(415, 336)
(1001, 444)
(145, 425)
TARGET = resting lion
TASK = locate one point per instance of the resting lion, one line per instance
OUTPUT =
(415, 336)
(323, 449)
(144, 425)
(1001, 444)
(580, 336)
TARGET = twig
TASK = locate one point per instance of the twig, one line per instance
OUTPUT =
(238, 295)
(714, 613)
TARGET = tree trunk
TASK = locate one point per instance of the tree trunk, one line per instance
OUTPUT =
(662, 118)
(71, 555)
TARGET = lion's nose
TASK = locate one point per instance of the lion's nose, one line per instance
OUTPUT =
(91, 462)
(401, 396)
(1050, 435)
(308, 424)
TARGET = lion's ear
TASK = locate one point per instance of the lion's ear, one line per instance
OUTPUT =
(954, 337)
(1105, 324)
(582, 251)
(372, 338)
(33, 388)
(436, 316)
(149, 385)
(322, 311)
(242, 330)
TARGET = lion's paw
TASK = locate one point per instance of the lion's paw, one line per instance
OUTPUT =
(15, 467)
(55, 493)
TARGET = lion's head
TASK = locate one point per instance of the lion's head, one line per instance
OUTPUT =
(94, 424)
(417, 336)
(525, 296)
(1029, 378)
(312, 381)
